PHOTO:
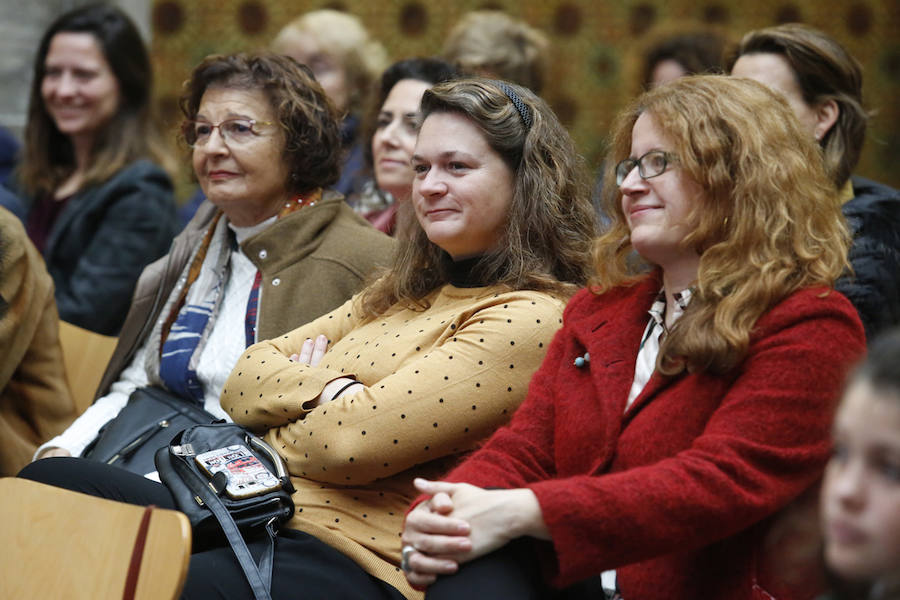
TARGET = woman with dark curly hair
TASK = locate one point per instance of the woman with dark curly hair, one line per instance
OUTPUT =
(264, 143)
(659, 449)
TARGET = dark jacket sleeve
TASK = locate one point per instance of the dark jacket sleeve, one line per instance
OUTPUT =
(12, 203)
(874, 288)
(98, 253)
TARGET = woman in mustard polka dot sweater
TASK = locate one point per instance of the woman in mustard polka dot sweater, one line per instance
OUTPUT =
(418, 368)
(423, 364)
(436, 354)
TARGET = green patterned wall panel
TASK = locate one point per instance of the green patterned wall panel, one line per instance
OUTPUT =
(594, 47)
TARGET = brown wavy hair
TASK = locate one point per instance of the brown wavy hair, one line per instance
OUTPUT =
(769, 222)
(546, 243)
(312, 148)
(132, 133)
(824, 71)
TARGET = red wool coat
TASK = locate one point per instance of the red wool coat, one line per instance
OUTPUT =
(677, 493)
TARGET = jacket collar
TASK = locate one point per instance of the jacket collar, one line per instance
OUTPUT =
(299, 230)
(611, 331)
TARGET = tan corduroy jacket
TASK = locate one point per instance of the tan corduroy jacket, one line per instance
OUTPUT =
(35, 404)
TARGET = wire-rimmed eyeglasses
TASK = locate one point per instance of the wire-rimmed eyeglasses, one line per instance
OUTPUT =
(649, 165)
(233, 131)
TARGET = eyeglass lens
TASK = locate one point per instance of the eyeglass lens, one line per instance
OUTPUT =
(649, 165)
(233, 130)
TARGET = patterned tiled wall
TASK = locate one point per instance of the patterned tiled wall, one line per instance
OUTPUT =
(594, 47)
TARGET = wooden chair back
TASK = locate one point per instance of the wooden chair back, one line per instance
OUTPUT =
(85, 356)
(63, 544)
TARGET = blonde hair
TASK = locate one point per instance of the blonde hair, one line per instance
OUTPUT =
(343, 36)
(491, 43)
(769, 221)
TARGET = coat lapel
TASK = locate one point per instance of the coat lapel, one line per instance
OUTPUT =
(654, 386)
(611, 333)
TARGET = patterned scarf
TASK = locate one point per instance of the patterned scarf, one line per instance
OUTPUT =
(194, 304)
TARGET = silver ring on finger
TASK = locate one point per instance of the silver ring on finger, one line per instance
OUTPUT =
(404, 557)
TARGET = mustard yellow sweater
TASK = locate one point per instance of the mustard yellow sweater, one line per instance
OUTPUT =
(438, 381)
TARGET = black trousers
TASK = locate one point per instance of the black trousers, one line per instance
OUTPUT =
(304, 567)
(513, 571)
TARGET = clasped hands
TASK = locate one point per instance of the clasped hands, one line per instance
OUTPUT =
(461, 522)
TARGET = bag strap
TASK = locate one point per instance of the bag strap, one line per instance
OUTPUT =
(267, 560)
(260, 582)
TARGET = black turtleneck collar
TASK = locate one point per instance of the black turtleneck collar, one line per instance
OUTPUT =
(463, 272)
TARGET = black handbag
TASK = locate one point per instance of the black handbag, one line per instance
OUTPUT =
(147, 423)
(205, 494)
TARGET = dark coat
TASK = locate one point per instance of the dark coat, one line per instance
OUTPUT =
(103, 239)
(12, 203)
(874, 219)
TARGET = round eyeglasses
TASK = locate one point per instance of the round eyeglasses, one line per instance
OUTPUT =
(649, 165)
(233, 131)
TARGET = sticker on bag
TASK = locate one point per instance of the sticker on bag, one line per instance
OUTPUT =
(246, 475)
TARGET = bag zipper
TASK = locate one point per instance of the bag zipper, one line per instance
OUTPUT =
(138, 441)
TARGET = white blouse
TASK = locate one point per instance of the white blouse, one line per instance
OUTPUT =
(218, 356)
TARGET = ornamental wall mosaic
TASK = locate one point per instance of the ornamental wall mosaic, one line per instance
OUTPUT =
(595, 47)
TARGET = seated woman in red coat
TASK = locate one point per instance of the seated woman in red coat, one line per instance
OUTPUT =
(679, 410)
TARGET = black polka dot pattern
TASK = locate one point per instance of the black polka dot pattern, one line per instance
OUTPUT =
(437, 382)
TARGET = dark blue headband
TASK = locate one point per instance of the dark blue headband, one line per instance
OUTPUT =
(521, 107)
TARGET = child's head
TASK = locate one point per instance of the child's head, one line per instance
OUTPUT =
(861, 492)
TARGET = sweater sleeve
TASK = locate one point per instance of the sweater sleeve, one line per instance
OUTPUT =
(521, 452)
(104, 409)
(271, 358)
(762, 446)
(441, 401)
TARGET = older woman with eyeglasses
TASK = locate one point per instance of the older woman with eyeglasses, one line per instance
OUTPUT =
(422, 364)
(685, 403)
(268, 252)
